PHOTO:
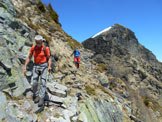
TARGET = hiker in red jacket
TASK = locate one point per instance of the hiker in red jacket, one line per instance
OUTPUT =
(42, 63)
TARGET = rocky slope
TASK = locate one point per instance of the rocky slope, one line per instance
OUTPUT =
(91, 94)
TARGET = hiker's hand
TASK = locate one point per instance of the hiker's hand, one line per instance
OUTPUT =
(49, 69)
(24, 71)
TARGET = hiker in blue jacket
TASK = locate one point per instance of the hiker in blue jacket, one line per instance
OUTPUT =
(76, 54)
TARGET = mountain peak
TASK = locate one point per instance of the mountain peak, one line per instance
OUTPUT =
(118, 37)
(108, 29)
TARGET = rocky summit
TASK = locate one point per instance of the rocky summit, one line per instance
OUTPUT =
(119, 80)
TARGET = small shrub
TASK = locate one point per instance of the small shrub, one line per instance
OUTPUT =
(101, 67)
(53, 14)
(146, 101)
(90, 90)
(73, 43)
(41, 7)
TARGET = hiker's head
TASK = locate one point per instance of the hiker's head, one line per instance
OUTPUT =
(38, 40)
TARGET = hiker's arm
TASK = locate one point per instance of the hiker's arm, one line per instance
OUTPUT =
(49, 64)
(26, 63)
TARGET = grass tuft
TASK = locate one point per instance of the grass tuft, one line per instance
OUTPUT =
(101, 67)
(90, 90)
(73, 43)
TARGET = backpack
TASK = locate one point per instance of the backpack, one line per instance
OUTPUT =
(52, 59)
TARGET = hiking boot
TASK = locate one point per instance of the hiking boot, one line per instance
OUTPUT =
(41, 102)
(36, 99)
(78, 65)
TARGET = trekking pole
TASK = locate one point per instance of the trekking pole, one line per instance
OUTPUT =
(53, 75)
(48, 77)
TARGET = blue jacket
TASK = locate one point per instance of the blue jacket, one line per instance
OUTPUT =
(76, 53)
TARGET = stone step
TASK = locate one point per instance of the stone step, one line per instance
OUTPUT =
(60, 87)
(57, 92)
(57, 89)
(54, 85)
(55, 99)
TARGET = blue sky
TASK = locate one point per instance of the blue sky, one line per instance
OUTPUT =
(84, 18)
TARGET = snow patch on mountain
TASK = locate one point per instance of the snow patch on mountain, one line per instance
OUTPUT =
(107, 29)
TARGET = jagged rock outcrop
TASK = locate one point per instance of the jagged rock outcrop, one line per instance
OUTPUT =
(14, 38)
